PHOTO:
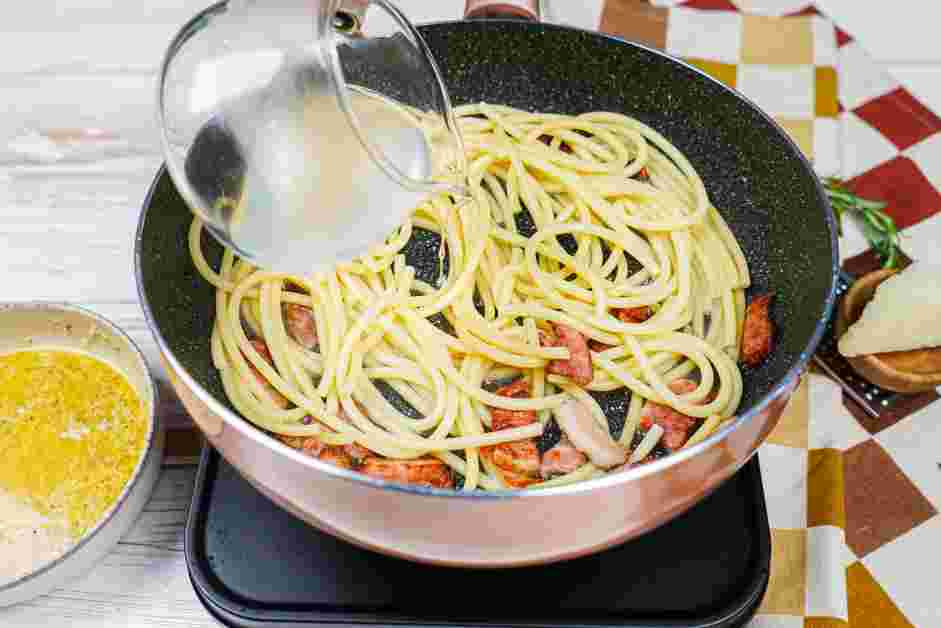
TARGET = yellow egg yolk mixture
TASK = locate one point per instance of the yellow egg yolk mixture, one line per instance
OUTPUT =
(72, 430)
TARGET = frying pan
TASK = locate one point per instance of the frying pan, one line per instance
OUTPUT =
(754, 174)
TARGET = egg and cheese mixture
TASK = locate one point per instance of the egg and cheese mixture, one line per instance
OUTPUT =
(72, 430)
(27, 539)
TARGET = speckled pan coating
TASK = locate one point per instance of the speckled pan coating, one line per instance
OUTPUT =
(754, 175)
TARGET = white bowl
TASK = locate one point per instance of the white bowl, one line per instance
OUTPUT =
(23, 325)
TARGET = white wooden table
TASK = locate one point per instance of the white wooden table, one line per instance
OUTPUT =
(67, 216)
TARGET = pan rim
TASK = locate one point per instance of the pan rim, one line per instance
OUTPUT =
(249, 430)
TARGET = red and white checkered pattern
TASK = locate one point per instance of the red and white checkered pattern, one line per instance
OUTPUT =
(891, 149)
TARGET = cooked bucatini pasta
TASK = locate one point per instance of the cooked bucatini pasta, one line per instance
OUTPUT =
(586, 257)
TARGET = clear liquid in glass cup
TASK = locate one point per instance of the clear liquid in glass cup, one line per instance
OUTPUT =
(304, 132)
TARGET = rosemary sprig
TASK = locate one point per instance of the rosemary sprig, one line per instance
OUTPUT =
(878, 227)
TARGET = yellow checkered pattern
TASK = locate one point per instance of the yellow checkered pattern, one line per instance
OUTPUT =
(803, 474)
(786, 65)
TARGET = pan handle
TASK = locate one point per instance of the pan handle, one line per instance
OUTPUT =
(528, 10)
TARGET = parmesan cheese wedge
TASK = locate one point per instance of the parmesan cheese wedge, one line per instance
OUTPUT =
(904, 314)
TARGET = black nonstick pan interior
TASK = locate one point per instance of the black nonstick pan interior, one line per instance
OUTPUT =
(754, 175)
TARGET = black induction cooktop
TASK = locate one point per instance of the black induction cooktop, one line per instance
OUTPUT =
(253, 565)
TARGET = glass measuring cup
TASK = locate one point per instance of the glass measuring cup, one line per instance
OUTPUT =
(300, 136)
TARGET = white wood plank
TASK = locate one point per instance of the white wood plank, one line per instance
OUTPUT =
(70, 237)
(77, 118)
(129, 47)
(96, 35)
(40, 13)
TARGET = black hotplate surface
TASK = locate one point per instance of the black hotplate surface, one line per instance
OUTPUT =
(253, 565)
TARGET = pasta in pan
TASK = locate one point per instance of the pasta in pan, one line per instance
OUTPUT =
(587, 258)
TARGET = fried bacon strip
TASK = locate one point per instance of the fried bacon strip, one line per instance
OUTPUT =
(279, 400)
(634, 314)
(625, 315)
(758, 331)
(348, 456)
(425, 471)
(578, 366)
(578, 424)
(562, 458)
(315, 448)
(677, 427)
(518, 461)
(300, 324)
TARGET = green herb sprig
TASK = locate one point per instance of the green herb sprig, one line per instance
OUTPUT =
(878, 227)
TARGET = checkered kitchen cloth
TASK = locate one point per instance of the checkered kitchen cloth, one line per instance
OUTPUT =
(853, 503)
(788, 67)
